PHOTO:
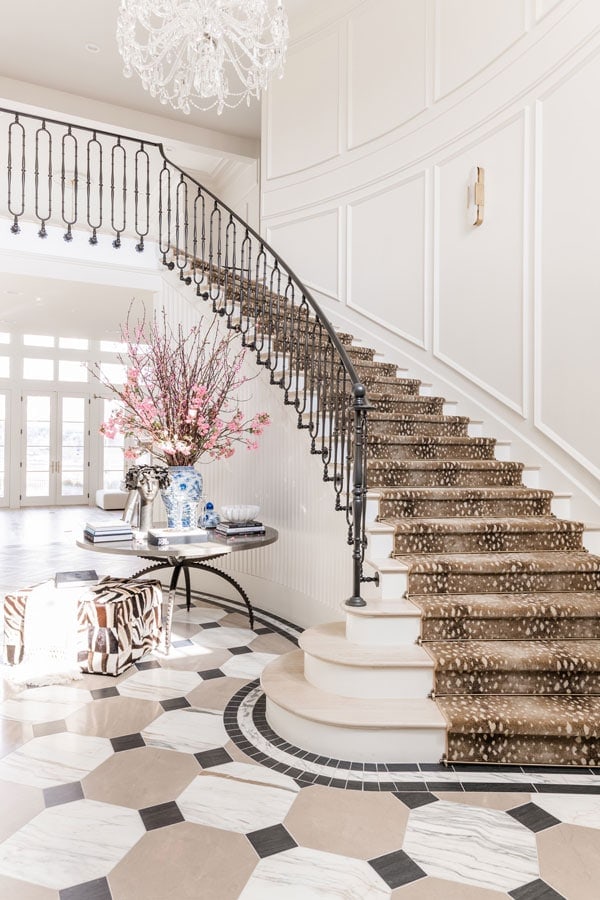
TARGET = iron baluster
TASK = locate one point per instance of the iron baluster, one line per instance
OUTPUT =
(181, 251)
(69, 141)
(43, 130)
(164, 214)
(142, 187)
(118, 153)
(16, 213)
(94, 149)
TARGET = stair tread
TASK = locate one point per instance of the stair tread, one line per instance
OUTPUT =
(483, 524)
(483, 465)
(557, 656)
(463, 493)
(567, 716)
(283, 682)
(549, 560)
(555, 604)
(417, 417)
(328, 642)
(431, 440)
(382, 608)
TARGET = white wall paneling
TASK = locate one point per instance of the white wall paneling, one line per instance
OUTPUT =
(398, 29)
(304, 110)
(470, 34)
(568, 286)
(479, 307)
(310, 246)
(544, 6)
(386, 258)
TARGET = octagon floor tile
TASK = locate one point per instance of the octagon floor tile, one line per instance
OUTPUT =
(55, 759)
(198, 615)
(187, 730)
(159, 684)
(501, 801)
(248, 665)
(25, 890)
(44, 704)
(572, 809)
(216, 864)
(114, 717)
(19, 803)
(272, 643)
(224, 637)
(570, 860)
(13, 735)
(215, 693)
(140, 778)
(351, 823)
(72, 844)
(439, 889)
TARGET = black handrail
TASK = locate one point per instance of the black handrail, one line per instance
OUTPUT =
(226, 259)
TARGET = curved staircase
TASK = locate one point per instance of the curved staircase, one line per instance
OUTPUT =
(482, 641)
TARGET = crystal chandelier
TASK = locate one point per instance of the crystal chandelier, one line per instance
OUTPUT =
(203, 53)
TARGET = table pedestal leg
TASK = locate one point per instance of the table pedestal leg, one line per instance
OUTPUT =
(225, 575)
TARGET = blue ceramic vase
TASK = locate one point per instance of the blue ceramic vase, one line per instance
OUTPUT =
(182, 497)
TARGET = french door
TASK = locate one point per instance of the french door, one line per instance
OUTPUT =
(4, 461)
(55, 448)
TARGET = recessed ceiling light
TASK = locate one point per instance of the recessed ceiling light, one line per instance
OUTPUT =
(92, 48)
(38, 299)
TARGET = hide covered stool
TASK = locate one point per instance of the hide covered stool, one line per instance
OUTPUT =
(117, 622)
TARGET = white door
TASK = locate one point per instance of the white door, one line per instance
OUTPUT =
(4, 461)
(55, 449)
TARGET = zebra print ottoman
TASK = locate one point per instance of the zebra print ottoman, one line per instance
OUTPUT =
(118, 621)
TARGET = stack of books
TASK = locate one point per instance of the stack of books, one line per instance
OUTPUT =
(231, 529)
(99, 532)
(162, 537)
(80, 578)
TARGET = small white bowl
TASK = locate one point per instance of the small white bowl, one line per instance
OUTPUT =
(240, 514)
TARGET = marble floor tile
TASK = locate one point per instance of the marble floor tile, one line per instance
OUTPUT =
(141, 777)
(71, 844)
(19, 803)
(184, 862)
(55, 759)
(198, 615)
(255, 774)
(570, 860)
(187, 730)
(12, 889)
(44, 704)
(483, 847)
(13, 735)
(214, 693)
(224, 637)
(159, 684)
(114, 716)
(501, 800)
(272, 643)
(235, 804)
(438, 889)
(352, 823)
(572, 809)
(192, 658)
(247, 665)
(304, 874)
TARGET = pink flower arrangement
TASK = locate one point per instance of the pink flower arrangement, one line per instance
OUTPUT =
(179, 399)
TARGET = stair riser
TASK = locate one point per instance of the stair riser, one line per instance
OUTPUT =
(385, 631)
(360, 744)
(510, 629)
(372, 683)
(443, 509)
(547, 683)
(400, 477)
(519, 582)
(415, 427)
(401, 407)
(522, 749)
(382, 449)
(486, 543)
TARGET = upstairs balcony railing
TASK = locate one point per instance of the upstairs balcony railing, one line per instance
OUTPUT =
(98, 185)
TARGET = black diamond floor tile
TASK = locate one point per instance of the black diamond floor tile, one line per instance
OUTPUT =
(127, 742)
(175, 703)
(103, 693)
(91, 890)
(209, 758)
(533, 817)
(415, 799)
(160, 816)
(268, 841)
(536, 890)
(237, 651)
(63, 793)
(147, 664)
(397, 869)
(211, 673)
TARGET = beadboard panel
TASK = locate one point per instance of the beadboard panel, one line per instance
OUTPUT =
(311, 559)
(384, 284)
(304, 110)
(568, 311)
(482, 29)
(398, 29)
(311, 245)
(479, 271)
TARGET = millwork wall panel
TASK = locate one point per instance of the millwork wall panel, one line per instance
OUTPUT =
(310, 246)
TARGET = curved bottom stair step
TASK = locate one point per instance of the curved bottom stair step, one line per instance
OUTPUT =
(364, 730)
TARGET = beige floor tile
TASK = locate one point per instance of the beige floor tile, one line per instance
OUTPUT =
(13, 735)
(570, 860)
(498, 800)
(43, 728)
(272, 643)
(184, 862)
(19, 803)
(11, 889)
(440, 889)
(194, 659)
(215, 693)
(113, 717)
(142, 777)
(351, 823)
(236, 619)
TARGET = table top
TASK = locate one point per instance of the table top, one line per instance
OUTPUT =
(217, 545)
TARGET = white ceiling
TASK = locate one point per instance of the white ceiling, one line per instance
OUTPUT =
(44, 44)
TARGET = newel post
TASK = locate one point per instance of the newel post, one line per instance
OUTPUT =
(360, 408)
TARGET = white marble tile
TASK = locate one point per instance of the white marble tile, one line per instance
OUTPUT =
(234, 805)
(159, 684)
(224, 637)
(471, 845)
(303, 874)
(199, 615)
(488, 777)
(45, 704)
(257, 774)
(247, 665)
(574, 809)
(71, 844)
(187, 730)
(55, 759)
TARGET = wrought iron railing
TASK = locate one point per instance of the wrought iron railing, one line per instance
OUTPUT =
(92, 182)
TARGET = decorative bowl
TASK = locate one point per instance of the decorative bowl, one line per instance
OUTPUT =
(240, 514)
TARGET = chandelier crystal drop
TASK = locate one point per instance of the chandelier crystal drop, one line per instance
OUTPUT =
(203, 53)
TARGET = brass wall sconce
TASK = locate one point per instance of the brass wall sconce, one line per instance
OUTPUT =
(476, 196)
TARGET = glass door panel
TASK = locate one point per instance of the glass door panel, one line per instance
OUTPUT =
(37, 458)
(3, 454)
(72, 467)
